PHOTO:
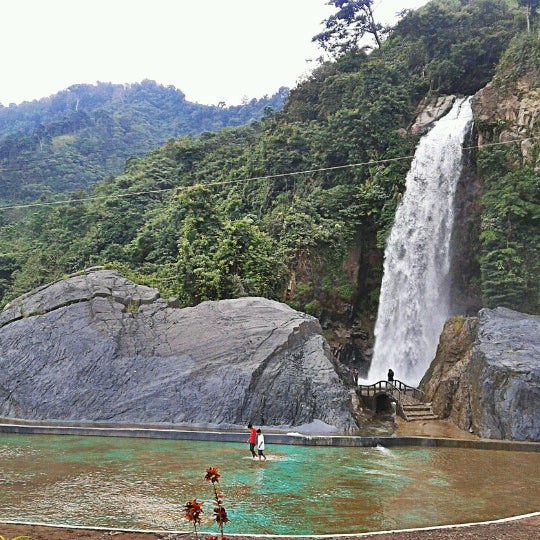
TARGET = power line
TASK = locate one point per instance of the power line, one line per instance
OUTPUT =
(210, 184)
(86, 199)
(245, 180)
(479, 147)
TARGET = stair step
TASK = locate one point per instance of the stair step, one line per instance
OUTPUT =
(410, 405)
(417, 407)
(419, 411)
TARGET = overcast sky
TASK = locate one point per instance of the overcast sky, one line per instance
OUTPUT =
(212, 50)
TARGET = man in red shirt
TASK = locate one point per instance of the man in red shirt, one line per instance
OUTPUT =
(252, 439)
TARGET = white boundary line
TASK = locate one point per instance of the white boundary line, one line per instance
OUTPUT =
(341, 535)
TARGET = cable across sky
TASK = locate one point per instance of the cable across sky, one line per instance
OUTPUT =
(244, 180)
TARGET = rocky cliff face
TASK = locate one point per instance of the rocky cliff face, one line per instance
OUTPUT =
(507, 120)
(486, 374)
(511, 113)
(98, 347)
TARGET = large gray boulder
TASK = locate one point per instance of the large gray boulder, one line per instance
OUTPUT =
(486, 374)
(97, 347)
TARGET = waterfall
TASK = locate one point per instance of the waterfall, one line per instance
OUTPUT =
(415, 291)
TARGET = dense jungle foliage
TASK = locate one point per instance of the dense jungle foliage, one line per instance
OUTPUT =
(72, 139)
(510, 232)
(297, 205)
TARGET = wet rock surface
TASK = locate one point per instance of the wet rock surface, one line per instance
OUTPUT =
(98, 347)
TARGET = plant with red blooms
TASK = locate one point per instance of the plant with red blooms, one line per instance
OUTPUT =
(220, 514)
(193, 511)
(212, 475)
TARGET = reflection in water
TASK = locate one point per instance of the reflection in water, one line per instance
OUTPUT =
(144, 483)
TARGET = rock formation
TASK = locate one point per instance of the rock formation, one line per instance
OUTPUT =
(97, 347)
(486, 374)
(512, 111)
(429, 111)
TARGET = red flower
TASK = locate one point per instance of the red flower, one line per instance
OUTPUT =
(193, 511)
(220, 515)
(212, 475)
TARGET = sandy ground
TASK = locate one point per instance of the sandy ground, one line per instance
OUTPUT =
(522, 529)
(431, 428)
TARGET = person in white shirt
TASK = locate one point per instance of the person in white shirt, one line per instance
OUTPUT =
(260, 445)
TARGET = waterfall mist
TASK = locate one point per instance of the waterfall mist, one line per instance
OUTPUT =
(415, 292)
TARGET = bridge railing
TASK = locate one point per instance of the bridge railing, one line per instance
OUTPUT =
(396, 389)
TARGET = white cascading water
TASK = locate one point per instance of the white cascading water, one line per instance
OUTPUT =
(415, 292)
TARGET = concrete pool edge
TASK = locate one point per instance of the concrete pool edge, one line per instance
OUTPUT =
(248, 535)
(271, 438)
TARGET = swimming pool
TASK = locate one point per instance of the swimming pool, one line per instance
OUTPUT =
(144, 483)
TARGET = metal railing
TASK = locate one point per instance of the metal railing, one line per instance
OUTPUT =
(395, 388)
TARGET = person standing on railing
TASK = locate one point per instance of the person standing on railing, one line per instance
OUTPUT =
(390, 376)
(355, 376)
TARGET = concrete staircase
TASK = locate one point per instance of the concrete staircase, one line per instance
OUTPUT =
(418, 411)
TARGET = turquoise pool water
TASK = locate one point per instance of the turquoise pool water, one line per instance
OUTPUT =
(144, 483)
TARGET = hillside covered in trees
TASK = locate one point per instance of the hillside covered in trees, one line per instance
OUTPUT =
(81, 135)
(296, 206)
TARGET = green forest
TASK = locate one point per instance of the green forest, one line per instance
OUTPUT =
(85, 133)
(296, 204)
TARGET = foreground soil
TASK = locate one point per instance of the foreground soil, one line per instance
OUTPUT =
(525, 528)
(431, 428)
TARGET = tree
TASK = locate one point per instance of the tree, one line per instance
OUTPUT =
(249, 262)
(353, 20)
(531, 6)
